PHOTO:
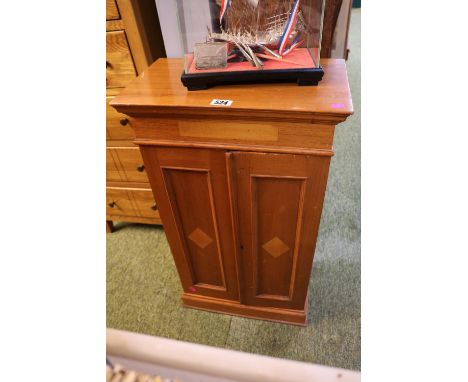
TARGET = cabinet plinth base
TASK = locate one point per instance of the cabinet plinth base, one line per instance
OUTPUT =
(287, 316)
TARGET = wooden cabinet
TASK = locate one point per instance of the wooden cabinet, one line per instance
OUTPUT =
(240, 190)
(133, 41)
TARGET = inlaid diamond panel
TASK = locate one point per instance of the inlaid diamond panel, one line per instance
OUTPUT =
(275, 247)
(200, 238)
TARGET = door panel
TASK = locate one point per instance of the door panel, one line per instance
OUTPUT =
(192, 194)
(279, 202)
(275, 200)
(191, 197)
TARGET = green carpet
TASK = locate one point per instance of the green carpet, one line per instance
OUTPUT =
(143, 292)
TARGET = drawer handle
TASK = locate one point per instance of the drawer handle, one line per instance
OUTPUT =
(112, 204)
(124, 122)
(154, 207)
(108, 65)
(141, 168)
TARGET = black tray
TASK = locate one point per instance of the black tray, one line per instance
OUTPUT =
(202, 81)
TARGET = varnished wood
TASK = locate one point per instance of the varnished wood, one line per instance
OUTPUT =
(109, 226)
(119, 69)
(141, 41)
(130, 202)
(235, 132)
(117, 124)
(236, 147)
(160, 92)
(112, 13)
(190, 190)
(134, 41)
(287, 316)
(240, 189)
(121, 143)
(134, 219)
(127, 185)
(330, 18)
(279, 202)
(115, 25)
(125, 164)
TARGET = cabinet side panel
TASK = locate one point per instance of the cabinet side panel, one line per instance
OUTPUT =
(278, 203)
(193, 205)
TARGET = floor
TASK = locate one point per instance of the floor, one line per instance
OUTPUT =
(143, 288)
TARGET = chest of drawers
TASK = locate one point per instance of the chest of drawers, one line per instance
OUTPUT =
(133, 41)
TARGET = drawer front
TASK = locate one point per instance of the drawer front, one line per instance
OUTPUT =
(125, 164)
(119, 202)
(145, 204)
(112, 12)
(117, 125)
(131, 202)
(119, 64)
(112, 172)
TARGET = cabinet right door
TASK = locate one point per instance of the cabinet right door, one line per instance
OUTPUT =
(278, 199)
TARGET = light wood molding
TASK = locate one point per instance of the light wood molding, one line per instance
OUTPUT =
(235, 147)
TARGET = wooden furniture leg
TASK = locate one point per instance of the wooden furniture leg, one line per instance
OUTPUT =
(109, 226)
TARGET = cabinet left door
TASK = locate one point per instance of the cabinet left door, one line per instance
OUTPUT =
(192, 193)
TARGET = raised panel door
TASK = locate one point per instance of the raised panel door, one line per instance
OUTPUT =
(192, 194)
(279, 201)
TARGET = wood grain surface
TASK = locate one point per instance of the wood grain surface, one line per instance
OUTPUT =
(131, 202)
(119, 63)
(133, 41)
(159, 90)
(275, 134)
(190, 186)
(117, 124)
(279, 199)
(125, 164)
(114, 25)
(112, 13)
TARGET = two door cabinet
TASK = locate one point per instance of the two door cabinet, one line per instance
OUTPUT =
(240, 190)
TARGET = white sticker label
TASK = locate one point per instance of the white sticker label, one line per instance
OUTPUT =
(221, 102)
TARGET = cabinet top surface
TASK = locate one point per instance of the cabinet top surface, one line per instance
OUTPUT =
(159, 89)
